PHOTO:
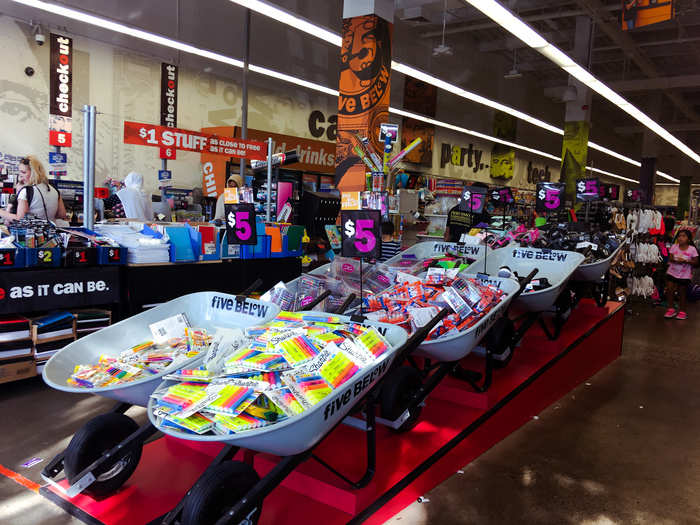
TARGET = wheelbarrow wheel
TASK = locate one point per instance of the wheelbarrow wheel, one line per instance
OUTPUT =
(396, 393)
(97, 436)
(217, 490)
(499, 339)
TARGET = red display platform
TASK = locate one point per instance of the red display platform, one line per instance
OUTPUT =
(540, 372)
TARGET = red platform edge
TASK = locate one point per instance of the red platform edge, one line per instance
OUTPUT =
(540, 373)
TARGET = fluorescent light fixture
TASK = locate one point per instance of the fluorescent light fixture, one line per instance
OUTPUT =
(466, 131)
(290, 19)
(130, 31)
(293, 80)
(603, 172)
(511, 23)
(187, 48)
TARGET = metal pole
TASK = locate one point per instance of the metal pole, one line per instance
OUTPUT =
(244, 84)
(89, 167)
(269, 179)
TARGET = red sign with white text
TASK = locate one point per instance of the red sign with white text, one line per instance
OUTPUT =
(181, 139)
(168, 153)
(60, 138)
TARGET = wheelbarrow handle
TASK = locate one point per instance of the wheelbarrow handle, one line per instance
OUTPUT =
(346, 304)
(254, 286)
(316, 301)
(419, 335)
(524, 283)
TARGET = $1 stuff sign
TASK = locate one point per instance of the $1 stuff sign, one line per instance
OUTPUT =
(360, 231)
(181, 139)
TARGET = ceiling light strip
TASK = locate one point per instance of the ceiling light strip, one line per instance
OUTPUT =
(513, 24)
(187, 48)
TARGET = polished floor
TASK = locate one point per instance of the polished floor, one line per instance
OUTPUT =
(621, 448)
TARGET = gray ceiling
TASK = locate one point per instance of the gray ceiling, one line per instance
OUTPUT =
(667, 53)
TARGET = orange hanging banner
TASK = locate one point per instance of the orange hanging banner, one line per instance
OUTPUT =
(363, 102)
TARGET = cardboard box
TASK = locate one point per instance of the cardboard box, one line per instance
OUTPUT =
(14, 370)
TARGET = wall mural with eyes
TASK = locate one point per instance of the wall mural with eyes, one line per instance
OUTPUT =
(126, 86)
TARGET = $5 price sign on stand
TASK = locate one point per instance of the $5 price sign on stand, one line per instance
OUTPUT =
(240, 224)
(549, 196)
(360, 231)
(587, 190)
(473, 199)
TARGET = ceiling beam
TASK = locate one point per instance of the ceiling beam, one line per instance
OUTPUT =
(652, 84)
(608, 24)
(510, 43)
(551, 15)
(631, 130)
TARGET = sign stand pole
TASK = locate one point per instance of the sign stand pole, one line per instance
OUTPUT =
(269, 180)
(89, 167)
(361, 292)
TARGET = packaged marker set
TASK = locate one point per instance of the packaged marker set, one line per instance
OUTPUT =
(412, 304)
(274, 372)
(175, 342)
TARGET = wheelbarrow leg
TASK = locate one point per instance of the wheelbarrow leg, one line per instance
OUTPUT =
(247, 505)
(172, 517)
(472, 377)
(371, 437)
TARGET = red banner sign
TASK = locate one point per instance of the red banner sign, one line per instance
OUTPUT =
(181, 139)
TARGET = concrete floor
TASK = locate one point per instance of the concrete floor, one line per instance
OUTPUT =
(621, 448)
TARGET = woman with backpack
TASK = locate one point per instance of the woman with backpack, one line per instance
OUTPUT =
(35, 195)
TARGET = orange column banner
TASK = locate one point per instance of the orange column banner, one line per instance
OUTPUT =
(363, 103)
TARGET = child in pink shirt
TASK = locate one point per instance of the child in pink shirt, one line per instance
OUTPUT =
(682, 257)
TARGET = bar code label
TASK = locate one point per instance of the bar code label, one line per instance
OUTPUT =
(169, 328)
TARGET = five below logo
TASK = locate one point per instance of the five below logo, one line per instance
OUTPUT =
(63, 72)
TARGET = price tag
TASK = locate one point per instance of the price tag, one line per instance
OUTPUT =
(7, 257)
(502, 195)
(240, 224)
(633, 195)
(587, 190)
(473, 199)
(114, 254)
(80, 256)
(44, 258)
(549, 196)
(360, 232)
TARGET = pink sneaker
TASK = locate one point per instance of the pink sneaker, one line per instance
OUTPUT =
(670, 313)
(682, 316)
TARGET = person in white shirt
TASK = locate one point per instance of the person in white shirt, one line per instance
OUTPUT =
(233, 181)
(36, 197)
(136, 202)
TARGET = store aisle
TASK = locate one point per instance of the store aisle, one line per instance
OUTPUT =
(622, 448)
(38, 422)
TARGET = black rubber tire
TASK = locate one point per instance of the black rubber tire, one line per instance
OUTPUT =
(96, 437)
(398, 388)
(217, 490)
(499, 339)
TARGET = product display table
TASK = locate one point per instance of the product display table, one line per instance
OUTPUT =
(147, 284)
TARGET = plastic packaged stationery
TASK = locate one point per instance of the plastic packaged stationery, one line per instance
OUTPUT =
(274, 372)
